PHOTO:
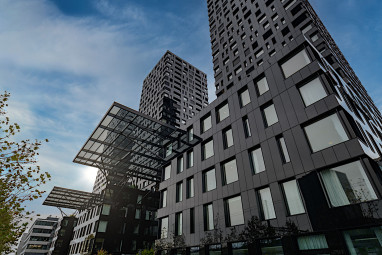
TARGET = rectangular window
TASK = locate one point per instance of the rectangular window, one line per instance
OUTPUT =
(137, 214)
(105, 210)
(347, 184)
(180, 165)
(179, 224)
(364, 240)
(190, 187)
(262, 86)
(229, 170)
(315, 242)
(207, 149)
(270, 115)
(239, 248)
(205, 123)
(326, 133)
(167, 172)
(293, 198)
(208, 217)
(190, 159)
(257, 161)
(222, 112)
(139, 199)
(168, 149)
(102, 225)
(272, 246)
(234, 211)
(192, 220)
(227, 138)
(244, 97)
(209, 180)
(247, 128)
(179, 192)
(190, 132)
(312, 92)
(164, 198)
(296, 63)
(164, 227)
(283, 149)
(266, 204)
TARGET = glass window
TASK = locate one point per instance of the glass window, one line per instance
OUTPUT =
(230, 172)
(267, 209)
(137, 213)
(326, 133)
(190, 187)
(296, 63)
(190, 132)
(262, 86)
(208, 217)
(257, 161)
(270, 115)
(179, 192)
(168, 150)
(207, 149)
(247, 128)
(102, 225)
(312, 92)
(136, 229)
(227, 138)
(244, 98)
(106, 209)
(139, 199)
(240, 248)
(347, 184)
(194, 250)
(222, 112)
(206, 124)
(190, 159)
(315, 242)
(293, 198)
(283, 150)
(178, 224)
(271, 246)
(192, 220)
(209, 180)
(234, 211)
(214, 249)
(164, 198)
(180, 165)
(364, 241)
(164, 227)
(167, 172)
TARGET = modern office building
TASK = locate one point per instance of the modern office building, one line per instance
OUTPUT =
(38, 240)
(174, 91)
(291, 147)
(62, 236)
(125, 221)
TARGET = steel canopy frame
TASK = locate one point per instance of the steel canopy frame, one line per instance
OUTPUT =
(133, 144)
(72, 199)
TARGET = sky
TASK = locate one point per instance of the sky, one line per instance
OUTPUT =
(66, 61)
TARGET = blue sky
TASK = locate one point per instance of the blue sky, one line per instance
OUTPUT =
(66, 61)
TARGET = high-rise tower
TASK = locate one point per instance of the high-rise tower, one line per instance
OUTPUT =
(292, 142)
(174, 91)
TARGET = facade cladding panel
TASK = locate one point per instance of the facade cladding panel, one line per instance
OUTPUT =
(174, 91)
(330, 187)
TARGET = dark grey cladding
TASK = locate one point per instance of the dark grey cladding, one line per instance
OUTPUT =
(310, 119)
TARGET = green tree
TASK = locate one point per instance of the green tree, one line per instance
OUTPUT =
(20, 178)
(146, 252)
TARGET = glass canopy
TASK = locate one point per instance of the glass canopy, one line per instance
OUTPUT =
(133, 144)
(72, 199)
